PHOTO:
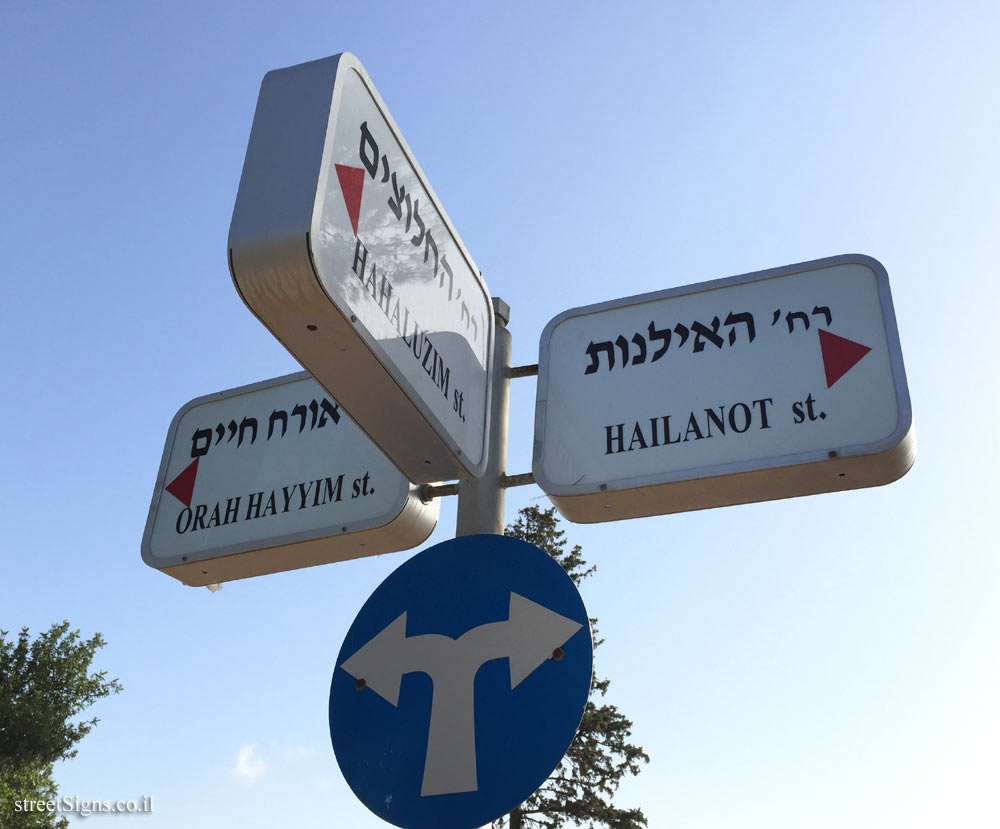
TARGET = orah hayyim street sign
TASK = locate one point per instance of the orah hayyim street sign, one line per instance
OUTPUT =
(769, 385)
(461, 683)
(339, 245)
(270, 477)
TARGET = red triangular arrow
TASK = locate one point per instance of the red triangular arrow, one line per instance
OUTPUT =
(840, 355)
(182, 487)
(352, 183)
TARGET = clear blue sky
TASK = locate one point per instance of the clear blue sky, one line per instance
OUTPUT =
(829, 661)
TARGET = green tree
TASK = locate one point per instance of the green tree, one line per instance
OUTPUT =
(44, 685)
(580, 789)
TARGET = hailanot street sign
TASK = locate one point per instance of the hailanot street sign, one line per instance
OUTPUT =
(270, 477)
(769, 385)
(340, 247)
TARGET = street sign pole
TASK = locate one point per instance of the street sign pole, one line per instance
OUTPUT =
(481, 500)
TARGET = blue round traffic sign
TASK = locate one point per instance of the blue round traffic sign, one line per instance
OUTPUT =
(461, 683)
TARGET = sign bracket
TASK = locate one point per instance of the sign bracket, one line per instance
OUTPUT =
(489, 505)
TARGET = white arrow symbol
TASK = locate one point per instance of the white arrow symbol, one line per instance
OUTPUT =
(528, 637)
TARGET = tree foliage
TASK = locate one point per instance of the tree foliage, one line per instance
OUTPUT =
(44, 685)
(580, 790)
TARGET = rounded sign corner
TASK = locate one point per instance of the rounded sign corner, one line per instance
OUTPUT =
(869, 262)
(545, 338)
(543, 481)
(476, 470)
(147, 553)
(903, 435)
(348, 58)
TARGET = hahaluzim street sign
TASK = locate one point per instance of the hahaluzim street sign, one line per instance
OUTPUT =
(274, 476)
(461, 683)
(768, 385)
(339, 245)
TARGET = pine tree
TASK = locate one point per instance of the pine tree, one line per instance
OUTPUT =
(580, 790)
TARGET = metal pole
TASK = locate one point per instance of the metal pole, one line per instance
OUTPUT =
(481, 501)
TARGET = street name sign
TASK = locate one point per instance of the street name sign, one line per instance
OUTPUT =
(340, 247)
(461, 683)
(274, 476)
(768, 385)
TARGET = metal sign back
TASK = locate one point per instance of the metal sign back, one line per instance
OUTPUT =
(339, 245)
(274, 476)
(768, 385)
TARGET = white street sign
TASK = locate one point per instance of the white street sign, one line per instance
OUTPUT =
(271, 477)
(340, 247)
(769, 385)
